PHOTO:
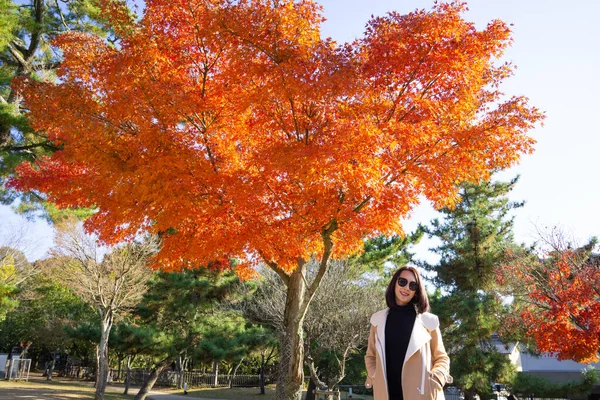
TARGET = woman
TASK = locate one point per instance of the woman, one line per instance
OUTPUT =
(406, 359)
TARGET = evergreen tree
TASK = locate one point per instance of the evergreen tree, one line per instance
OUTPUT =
(179, 320)
(474, 236)
(381, 249)
(27, 29)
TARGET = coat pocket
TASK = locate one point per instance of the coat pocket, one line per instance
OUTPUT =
(435, 388)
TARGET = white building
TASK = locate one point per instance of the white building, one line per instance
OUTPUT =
(545, 365)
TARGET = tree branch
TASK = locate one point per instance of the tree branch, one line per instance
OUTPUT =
(36, 33)
(326, 233)
(273, 265)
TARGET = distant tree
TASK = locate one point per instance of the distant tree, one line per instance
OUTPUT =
(558, 288)
(226, 336)
(475, 236)
(85, 336)
(15, 270)
(179, 319)
(46, 307)
(112, 283)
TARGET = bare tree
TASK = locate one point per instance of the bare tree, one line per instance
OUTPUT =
(111, 280)
(337, 322)
(15, 270)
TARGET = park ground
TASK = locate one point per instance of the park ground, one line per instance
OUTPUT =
(66, 389)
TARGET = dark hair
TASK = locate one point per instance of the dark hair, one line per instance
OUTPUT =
(420, 298)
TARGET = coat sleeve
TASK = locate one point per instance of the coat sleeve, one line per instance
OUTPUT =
(371, 358)
(440, 362)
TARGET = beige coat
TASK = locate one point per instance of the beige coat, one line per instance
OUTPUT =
(426, 365)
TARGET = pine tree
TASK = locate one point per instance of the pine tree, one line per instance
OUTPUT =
(27, 30)
(474, 238)
(179, 319)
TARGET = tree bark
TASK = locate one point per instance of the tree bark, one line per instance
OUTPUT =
(105, 325)
(178, 379)
(151, 380)
(97, 366)
(291, 357)
(291, 375)
(215, 373)
(52, 364)
(184, 369)
(50, 368)
(262, 374)
(310, 392)
(127, 375)
(232, 377)
(119, 365)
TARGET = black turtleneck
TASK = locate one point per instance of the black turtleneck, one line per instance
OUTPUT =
(398, 328)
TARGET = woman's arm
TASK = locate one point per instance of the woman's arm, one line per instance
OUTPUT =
(371, 358)
(440, 362)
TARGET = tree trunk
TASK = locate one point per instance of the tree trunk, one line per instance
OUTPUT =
(291, 375)
(229, 375)
(127, 375)
(310, 392)
(120, 362)
(105, 326)
(97, 366)
(262, 374)
(151, 380)
(215, 373)
(178, 379)
(469, 394)
(51, 367)
(184, 368)
(232, 377)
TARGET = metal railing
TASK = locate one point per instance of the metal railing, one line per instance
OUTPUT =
(173, 378)
(17, 369)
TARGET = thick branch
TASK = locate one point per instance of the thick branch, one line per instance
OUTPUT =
(48, 145)
(36, 34)
(327, 247)
(14, 51)
(273, 265)
(313, 373)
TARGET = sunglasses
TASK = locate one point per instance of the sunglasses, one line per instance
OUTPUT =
(413, 286)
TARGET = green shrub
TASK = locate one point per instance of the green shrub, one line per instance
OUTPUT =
(525, 384)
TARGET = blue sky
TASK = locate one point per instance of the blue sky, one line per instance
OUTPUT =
(557, 55)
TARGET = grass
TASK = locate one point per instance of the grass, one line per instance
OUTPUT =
(227, 393)
(56, 389)
(67, 389)
(242, 394)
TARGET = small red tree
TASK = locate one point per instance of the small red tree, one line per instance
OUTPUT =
(560, 295)
(233, 130)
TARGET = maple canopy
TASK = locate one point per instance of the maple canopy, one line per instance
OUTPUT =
(235, 131)
(561, 293)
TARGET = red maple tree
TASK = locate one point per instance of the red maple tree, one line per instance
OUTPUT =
(558, 293)
(234, 130)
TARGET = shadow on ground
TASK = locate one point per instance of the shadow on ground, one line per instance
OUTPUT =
(42, 393)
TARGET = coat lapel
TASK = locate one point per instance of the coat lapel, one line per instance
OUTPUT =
(379, 319)
(419, 336)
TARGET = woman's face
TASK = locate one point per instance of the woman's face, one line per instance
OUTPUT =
(403, 293)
